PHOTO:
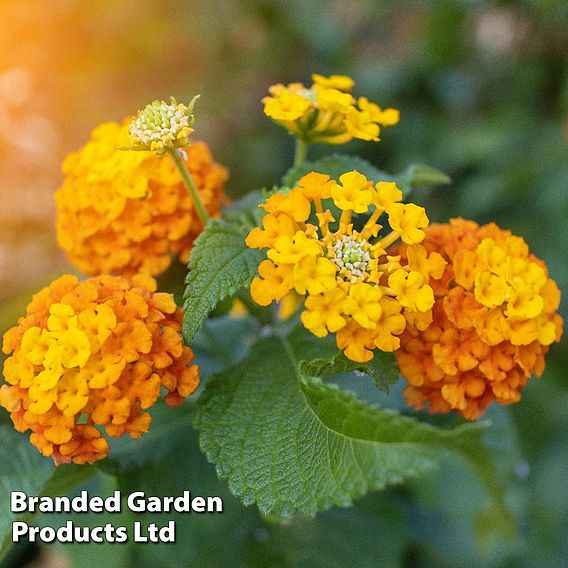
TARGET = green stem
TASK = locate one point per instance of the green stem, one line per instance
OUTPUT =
(301, 152)
(187, 179)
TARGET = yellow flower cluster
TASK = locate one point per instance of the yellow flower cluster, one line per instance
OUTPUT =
(494, 319)
(351, 286)
(121, 212)
(94, 355)
(327, 112)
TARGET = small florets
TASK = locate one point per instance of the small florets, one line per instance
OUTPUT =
(161, 126)
(351, 285)
(327, 112)
(128, 212)
(92, 357)
(351, 256)
(494, 319)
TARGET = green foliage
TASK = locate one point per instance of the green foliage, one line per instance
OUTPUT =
(222, 342)
(220, 264)
(95, 555)
(334, 166)
(505, 149)
(65, 478)
(417, 176)
(319, 357)
(239, 536)
(160, 463)
(23, 468)
(245, 210)
(128, 454)
(413, 177)
(289, 443)
(382, 369)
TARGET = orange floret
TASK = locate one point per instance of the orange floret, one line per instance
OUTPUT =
(90, 358)
(124, 212)
(492, 323)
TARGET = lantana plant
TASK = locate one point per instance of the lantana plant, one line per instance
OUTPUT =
(336, 273)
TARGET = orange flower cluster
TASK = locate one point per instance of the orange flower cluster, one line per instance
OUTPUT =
(95, 353)
(123, 212)
(493, 321)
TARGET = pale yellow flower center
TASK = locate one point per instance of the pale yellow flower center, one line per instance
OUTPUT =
(351, 256)
(160, 122)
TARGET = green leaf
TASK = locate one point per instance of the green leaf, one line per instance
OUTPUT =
(319, 358)
(245, 210)
(221, 342)
(414, 177)
(132, 453)
(239, 536)
(382, 369)
(487, 475)
(220, 264)
(493, 462)
(160, 463)
(334, 166)
(95, 555)
(22, 468)
(66, 478)
(292, 444)
(336, 365)
(417, 176)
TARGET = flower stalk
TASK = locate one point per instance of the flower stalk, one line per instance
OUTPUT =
(189, 183)
(300, 152)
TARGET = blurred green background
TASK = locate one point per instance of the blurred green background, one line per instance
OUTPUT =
(483, 91)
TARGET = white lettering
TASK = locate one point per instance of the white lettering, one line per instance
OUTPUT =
(18, 502)
(182, 504)
(121, 534)
(66, 533)
(138, 537)
(136, 502)
(18, 529)
(96, 505)
(47, 534)
(112, 503)
(168, 533)
(153, 533)
(214, 505)
(96, 534)
(154, 505)
(198, 504)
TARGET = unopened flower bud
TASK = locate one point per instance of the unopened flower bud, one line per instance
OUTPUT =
(161, 126)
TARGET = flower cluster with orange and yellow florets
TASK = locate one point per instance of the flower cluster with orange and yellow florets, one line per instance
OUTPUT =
(327, 112)
(121, 212)
(94, 355)
(324, 243)
(468, 310)
(493, 321)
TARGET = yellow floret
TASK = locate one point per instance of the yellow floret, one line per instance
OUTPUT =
(96, 352)
(349, 283)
